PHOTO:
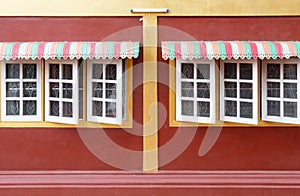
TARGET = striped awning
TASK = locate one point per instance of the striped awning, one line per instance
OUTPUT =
(65, 50)
(230, 49)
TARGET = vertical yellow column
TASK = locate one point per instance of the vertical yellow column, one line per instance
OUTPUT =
(150, 110)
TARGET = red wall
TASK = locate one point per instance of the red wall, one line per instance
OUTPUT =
(70, 29)
(247, 148)
(230, 28)
(57, 148)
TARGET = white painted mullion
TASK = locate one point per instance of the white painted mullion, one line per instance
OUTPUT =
(238, 115)
(178, 91)
(212, 93)
(60, 87)
(104, 91)
(281, 92)
(195, 90)
(21, 89)
(89, 90)
(255, 87)
(298, 91)
(75, 94)
(221, 90)
(119, 98)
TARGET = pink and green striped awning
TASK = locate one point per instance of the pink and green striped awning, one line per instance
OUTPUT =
(230, 49)
(65, 50)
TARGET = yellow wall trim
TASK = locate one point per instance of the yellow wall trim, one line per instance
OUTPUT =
(176, 8)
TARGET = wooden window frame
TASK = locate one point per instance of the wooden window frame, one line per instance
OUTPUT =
(104, 100)
(281, 99)
(254, 101)
(60, 99)
(195, 99)
(21, 80)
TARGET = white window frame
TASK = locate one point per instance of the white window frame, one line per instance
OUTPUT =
(90, 98)
(74, 82)
(281, 119)
(211, 99)
(238, 119)
(21, 117)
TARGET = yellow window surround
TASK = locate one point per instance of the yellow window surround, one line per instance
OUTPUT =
(82, 123)
(172, 105)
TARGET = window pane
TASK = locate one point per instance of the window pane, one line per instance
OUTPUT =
(54, 108)
(290, 90)
(203, 71)
(97, 108)
(110, 90)
(67, 109)
(29, 71)
(29, 89)
(246, 90)
(12, 89)
(230, 70)
(203, 109)
(290, 71)
(67, 71)
(187, 89)
(54, 89)
(67, 90)
(246, 110)
(230, 89)
(246, 71)
(273, 89)
(97, 71)
(111, 72)
(187, 70)
(290, 109)
(29, 107)
(273, 71)
(231, 108)
(97, 89)
(12, 108)
(54, 71)
(187, 108)
(110, 110)
(203, 90)
(12, 71)
(273, 108)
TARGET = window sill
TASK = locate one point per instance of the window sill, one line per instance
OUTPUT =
(174, 123)
(81, 124)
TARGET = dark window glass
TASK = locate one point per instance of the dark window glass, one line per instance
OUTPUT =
(230, 108)
(187, 70)
(246, 71)
(273, 71)
(230, 70)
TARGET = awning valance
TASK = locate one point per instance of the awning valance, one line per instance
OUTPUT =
(71, 50)
(230, 49)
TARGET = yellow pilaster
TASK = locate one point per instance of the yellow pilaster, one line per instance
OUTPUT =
(150, 158)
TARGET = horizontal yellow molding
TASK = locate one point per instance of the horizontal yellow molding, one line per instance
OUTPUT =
(176, 8)
(81, 124)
